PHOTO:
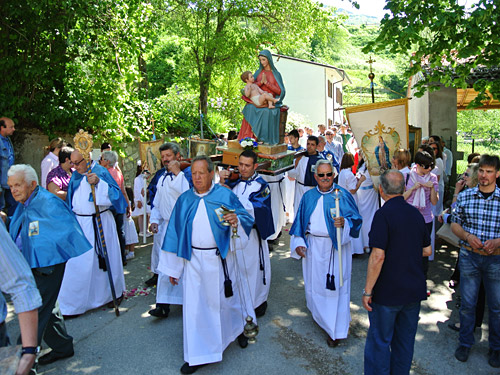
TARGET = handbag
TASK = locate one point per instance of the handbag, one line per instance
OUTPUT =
(446, 234)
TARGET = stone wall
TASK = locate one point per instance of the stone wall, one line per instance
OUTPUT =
(29, 147)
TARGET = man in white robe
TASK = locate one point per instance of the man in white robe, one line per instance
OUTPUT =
(304, 171)
(169, 187)
(86, 285)
(198, 246)
(254, 261)
(314, 238)
(277, 185)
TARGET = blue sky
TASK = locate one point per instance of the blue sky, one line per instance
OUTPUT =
(371, 7)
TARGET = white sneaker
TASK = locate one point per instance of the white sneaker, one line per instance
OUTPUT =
(130, 255)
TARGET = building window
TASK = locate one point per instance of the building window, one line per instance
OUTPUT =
(338, 96)
(330, 89)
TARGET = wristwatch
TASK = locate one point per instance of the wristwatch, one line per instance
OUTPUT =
(366, 294)
(30, 350)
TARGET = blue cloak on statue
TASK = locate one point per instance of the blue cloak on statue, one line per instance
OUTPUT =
(265, 121)
(49, 231)
(114, 192)
(180, 227)
(348, 210)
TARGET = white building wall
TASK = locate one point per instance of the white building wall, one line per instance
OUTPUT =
(306, 89)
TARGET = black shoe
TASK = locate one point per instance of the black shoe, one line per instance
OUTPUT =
(455, 327)
(462, 353)
(494, 358)
(161, 311)
(186, 369)
(51, 357)
(261, 309)
(111, 305)
(152, 281)
(242, 341)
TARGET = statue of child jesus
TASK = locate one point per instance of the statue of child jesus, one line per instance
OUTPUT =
(255, 93)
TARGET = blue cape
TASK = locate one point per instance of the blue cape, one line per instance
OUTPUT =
(265, 121)
(328, 155)
(49, 230)
(348, 210)
(152, 185)
(261, 202)
(114, 192)
(180, 227)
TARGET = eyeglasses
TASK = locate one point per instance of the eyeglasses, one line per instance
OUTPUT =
(76, 163)
(329, 174)
(435, 148)
(427, 166)
(466, 174)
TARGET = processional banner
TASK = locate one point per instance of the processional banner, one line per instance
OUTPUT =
(150, 155)
(379, 129)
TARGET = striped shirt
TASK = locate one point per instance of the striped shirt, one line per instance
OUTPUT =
(16, 278)
(477, 215)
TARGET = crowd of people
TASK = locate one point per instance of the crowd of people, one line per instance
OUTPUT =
(213, 230)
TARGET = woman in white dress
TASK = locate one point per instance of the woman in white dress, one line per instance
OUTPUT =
(367, 198)
(348, 181)
(139, 190)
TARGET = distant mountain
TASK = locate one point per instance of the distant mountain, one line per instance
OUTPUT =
(359, 19)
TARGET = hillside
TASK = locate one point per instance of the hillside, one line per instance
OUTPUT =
(387, 67)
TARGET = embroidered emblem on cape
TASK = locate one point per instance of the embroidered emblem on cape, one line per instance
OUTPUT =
(33, 229)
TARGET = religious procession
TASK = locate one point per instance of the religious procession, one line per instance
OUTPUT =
(363, 243)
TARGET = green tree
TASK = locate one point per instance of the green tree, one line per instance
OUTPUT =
(222, 35)
(446, 41)
(74, 63)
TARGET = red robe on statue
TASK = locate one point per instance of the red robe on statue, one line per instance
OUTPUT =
(272, 87)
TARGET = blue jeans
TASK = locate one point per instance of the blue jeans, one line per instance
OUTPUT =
(391, 338)
(474, 268)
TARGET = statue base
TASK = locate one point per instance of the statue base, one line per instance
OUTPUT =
(272, 159)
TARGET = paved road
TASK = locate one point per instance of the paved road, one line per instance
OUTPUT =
(289, 341)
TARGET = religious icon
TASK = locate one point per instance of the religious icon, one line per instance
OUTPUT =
(378, 145)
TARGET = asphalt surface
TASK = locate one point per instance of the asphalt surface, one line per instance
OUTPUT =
(289, 342)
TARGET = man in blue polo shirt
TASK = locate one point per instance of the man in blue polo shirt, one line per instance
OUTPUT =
(395, 281)
(7, 128)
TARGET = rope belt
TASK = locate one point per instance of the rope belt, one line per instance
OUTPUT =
(310, 234)
(97, 241)
(481, 251)
(281, 192)
(330, 277)
(301, 183)
(205, 248)
(262, 263)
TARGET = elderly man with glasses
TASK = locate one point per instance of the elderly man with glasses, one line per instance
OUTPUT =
(314, 239)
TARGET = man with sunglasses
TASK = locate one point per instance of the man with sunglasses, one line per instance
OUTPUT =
(314, 239)
(476, 221)
(85, 284)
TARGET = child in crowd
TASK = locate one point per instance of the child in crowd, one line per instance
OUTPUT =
(130, 230)
(255, 93)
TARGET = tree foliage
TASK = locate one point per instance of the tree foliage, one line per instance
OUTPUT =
(71, 64)
(222, 34)
(444, 42)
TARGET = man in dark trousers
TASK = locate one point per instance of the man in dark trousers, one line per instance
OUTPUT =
(476, 221)
(395, 282)
(47, 234)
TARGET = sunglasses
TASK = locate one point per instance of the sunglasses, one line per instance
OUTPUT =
(329, 174)
(427, 166)
(466, 174)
